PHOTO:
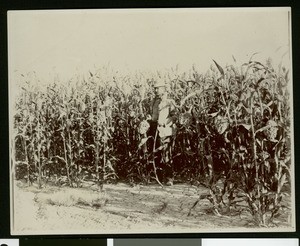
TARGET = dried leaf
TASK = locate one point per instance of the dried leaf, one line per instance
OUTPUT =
(143, 141)
(219, 68)
(246, 126)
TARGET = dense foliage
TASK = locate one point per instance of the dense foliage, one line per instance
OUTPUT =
(233, 133)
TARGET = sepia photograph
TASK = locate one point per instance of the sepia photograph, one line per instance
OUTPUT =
(159, 120)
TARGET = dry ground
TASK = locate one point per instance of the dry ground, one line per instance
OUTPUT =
(120, 208)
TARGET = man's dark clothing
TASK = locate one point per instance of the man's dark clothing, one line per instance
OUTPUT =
(154, 111)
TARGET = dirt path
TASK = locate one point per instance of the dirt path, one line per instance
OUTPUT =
(120, 208)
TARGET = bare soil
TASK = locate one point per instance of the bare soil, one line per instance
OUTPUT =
(121, 208)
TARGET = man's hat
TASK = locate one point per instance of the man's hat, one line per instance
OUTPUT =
(160, 83)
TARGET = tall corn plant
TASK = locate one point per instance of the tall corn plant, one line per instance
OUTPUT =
(20, 144)
(31, 131)
(251, 160)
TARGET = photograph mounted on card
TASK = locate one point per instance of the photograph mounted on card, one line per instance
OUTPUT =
(151, 121)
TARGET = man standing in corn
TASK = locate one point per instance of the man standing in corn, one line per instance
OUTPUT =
(162, 128)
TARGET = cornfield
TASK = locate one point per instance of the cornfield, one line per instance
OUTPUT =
(233, 134)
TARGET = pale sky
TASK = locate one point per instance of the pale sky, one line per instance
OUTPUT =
(66, 42)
